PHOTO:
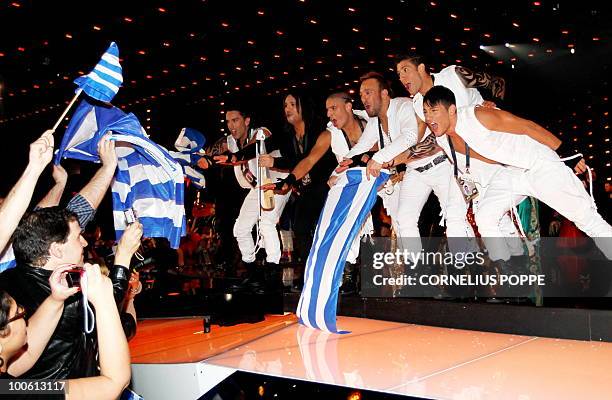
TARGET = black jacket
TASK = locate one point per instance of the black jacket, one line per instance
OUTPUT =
(70, 353)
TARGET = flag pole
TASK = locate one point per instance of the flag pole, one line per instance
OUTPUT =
(59, 121)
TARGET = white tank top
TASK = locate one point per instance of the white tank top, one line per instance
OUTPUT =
(339, 146)
(448, 78)
(506, 148)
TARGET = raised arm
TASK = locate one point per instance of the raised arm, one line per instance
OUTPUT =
(472, 79)
(16, 202)
(53, 197)
(113, 347)
(95, 189)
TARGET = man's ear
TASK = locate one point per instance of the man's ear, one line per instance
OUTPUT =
(349, 107)
(56, 250)
(384, 93)
(247, 121)
(421, 69)
(452, 109)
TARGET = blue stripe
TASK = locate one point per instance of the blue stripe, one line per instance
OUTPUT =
(107, 79)
(8, 265)
(113, 67)
(170, 191)
(337, 220)
(332, 301)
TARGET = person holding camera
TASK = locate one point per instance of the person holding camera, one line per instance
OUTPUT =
(45, 240)
(114, 353)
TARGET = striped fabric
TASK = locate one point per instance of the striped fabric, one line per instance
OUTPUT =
(189, 144)
(7, 259)
(347, 206)
(148, 180)
(104, 81)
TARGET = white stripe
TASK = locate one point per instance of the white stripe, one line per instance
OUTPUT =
(325, 285)
(111, 59)
(94, 77)
(153, 208)
(326, 374)
(110, 72)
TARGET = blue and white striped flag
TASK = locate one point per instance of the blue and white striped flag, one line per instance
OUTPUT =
(347, 206)
(148, 180)
(104, 81)
(7, 258)
(189, 144)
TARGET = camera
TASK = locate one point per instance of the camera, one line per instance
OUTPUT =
(73, 277)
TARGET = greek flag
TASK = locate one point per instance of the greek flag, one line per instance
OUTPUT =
(347, 206)
(104, 81)
(148, 180)
(189, 144)
(7, 258)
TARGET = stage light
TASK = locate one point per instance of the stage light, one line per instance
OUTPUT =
(507, 45)
(481, 47)
(572, 50)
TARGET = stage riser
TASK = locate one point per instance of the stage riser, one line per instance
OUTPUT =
(562, 323)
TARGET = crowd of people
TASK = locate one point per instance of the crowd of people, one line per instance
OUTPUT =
(478, 160)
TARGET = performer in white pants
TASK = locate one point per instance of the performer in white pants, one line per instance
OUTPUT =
(414, 77)
(238, 124)
(535, 168)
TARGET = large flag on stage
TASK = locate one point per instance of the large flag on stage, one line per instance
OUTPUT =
(104, 81)
(347, 206)
(148, 180)
(189, 144)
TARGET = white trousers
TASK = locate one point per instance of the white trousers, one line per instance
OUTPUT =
(551, 182)
(415, 188)
(243, 228)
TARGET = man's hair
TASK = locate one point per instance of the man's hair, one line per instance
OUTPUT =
(239, 105)
(36, 232)
(439, 95)
(382, 82)
(342, 96)
(413, 59)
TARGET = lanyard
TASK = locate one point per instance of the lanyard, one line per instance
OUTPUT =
(454, 155)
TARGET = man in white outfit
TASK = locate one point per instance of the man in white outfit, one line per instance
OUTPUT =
(463, 83)
(430, 171)
(534, 165)
(242, 136)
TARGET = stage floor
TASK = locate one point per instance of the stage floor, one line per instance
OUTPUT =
(398, 358)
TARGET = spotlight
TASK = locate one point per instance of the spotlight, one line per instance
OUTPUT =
(572, 50)
(507, 45)
(481, 47)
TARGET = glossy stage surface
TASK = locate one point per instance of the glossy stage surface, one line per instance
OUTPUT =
(415, 360)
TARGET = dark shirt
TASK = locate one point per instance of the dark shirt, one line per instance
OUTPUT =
(70, 353)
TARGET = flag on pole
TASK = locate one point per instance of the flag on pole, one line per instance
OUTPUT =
(189, 144)
(104, 81)
(148, 180)
(347, 206)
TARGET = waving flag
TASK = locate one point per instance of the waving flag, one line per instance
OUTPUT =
(189, 144)
(104, 81)
(347, 206)
(148, 180)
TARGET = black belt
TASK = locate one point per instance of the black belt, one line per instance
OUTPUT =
(438, 160)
